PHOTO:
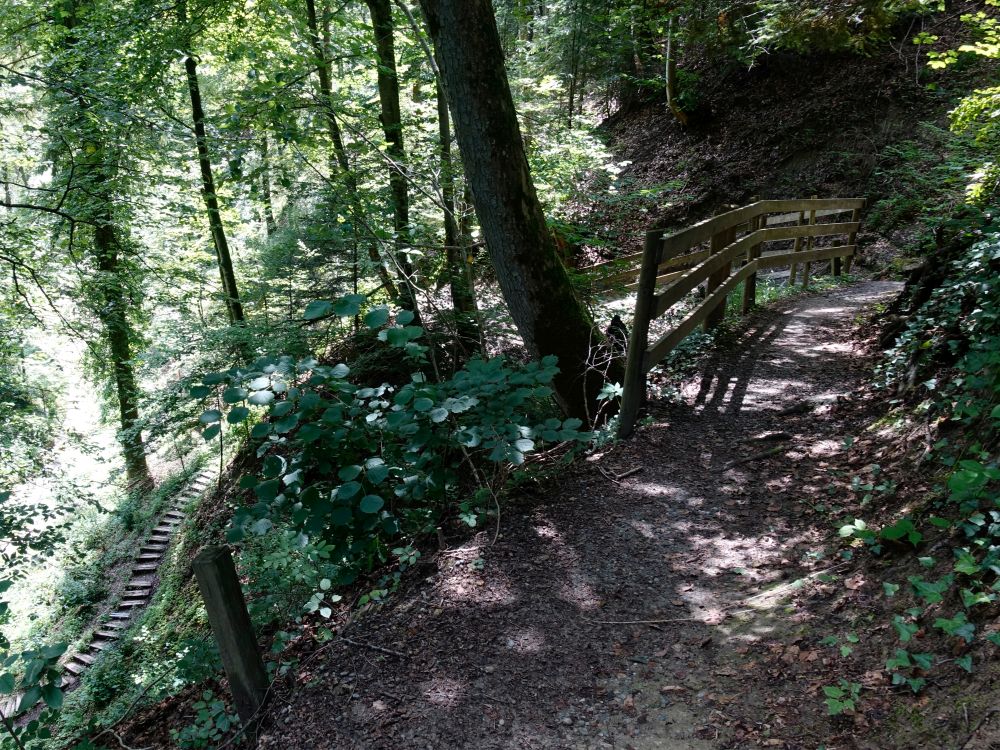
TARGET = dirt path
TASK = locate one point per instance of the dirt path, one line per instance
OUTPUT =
(520, 645)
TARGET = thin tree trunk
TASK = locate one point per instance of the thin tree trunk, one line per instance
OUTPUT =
(111, 292)
(392, 126)
(112, 312)
(463, 299)
(325, 77)
(233, 305)
(671, 75)
(270, 225)
(538, 292)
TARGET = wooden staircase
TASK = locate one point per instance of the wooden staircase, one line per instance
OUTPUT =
(137, 594)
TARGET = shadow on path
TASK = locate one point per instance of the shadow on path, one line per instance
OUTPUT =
(534, 643)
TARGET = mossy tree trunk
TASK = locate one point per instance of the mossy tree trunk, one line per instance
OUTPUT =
(535, 285)
(111, 306)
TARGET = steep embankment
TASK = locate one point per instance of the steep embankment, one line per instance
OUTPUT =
(792, 126)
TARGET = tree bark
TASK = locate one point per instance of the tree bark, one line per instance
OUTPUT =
(392, 126)
(670, 75)
(234, 307)
(324, 75)
(113, 314)
(463, 300)
(538, 292)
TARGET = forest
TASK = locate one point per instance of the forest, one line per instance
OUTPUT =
(484, 374)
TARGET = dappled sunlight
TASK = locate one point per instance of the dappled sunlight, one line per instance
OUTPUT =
(444, 692)
(463, 584)
(528, 640)
(579, 590)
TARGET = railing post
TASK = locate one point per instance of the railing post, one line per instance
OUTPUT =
(230, 621)
(719, 241)
(852, 239)
(750, 285)
(634, 393)
(796, 247)
(809, 246)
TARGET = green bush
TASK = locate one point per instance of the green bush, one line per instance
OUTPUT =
(348, 471)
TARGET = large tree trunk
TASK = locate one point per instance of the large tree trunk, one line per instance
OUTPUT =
(392, 126)
(234, 307)
(324, 74)
(534, 282)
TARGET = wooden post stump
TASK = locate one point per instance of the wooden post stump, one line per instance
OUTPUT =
(227, 613)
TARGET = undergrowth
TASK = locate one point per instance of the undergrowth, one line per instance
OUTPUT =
(944, 370)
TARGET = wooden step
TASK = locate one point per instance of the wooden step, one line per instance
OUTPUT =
(85, 658)
(114, 624)
(144, 568)
(119, 615)
(101, 645)
(75, 668)
(135, 596)
(155, 545)
(111, 635)
(136, 588)
(149, 557)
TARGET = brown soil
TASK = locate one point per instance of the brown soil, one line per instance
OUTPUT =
(788, 127)
(682, 606)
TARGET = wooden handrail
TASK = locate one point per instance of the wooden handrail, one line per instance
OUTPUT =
(663, 252)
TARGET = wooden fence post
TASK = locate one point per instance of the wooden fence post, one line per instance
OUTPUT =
(634, 393)
(227, 613)
(852, 239)
(719, 241)
(796, 247)
(750, 285)
(809, 247)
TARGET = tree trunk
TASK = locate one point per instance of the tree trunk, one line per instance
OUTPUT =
(534, 282)
(325, 77)
(670, 74)
(111, 297)
(463, 300)
(233, 305)
(112, 312)
(392, 126)
(270, 225)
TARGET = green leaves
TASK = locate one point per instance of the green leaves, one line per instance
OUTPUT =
(377, 317)
(234, 395)
(211, 416)
(958, 626)
(371, 504)
(842, 697)
(317, 309)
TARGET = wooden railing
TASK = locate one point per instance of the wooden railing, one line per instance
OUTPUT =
(734, 253)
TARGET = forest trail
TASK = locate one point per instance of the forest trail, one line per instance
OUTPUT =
(522, 644)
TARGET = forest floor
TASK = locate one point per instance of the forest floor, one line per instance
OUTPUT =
(681, 606)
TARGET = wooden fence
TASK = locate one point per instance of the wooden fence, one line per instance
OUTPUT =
(721, 252)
